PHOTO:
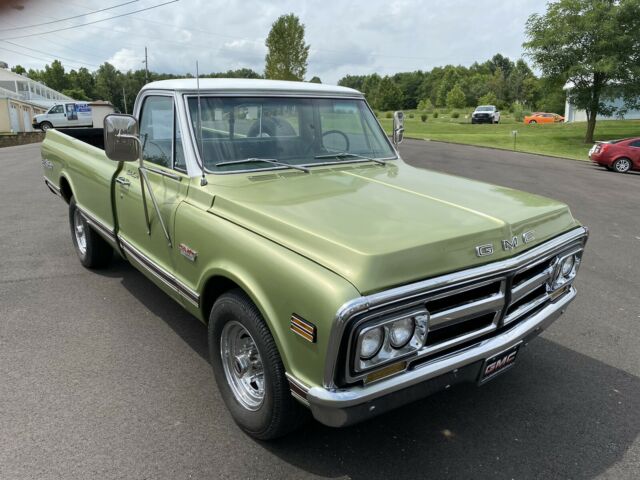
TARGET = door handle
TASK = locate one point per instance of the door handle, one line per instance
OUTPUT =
(123, 181)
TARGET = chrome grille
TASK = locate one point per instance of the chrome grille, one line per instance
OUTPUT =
(468, 306)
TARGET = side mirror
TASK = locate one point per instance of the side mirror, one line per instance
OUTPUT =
(121, 137)
(398, 127)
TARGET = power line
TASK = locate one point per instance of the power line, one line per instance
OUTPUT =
(68, 18)
(51, 54)
(91, 23)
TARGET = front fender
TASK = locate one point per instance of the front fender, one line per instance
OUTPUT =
(279, 281)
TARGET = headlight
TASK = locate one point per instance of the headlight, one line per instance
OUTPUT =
(564, 270)
(371, 342)
(400, 332)
(381, 341)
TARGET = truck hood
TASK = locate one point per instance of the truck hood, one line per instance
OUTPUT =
(382, 226)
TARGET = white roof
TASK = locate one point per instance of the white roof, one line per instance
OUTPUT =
(246, 85)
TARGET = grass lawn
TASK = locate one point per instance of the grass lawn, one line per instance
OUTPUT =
(560, 140)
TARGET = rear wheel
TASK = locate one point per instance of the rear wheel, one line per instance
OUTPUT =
(532, 122)
(248, 369)
(93, 251)
(45, 126)
(622, 165)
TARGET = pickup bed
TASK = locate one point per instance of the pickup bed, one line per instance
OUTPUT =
(333, 276)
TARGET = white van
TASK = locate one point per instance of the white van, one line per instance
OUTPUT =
(73, 114)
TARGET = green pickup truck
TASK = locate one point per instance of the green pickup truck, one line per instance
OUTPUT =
(333, 276)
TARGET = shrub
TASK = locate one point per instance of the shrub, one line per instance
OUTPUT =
(411, 115)
(456, 97)
(455, 115)
(425, 105)
(435, 114)
(518, 114)
(423, 117)
(388, 115)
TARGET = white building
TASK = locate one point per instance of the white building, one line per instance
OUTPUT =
(573, 114)
(21, 98)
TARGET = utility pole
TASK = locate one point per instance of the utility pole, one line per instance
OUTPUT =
(124, 98)
(146, 66)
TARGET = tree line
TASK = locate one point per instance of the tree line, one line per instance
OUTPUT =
(498, 81)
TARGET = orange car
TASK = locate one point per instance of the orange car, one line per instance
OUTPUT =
(541, 117)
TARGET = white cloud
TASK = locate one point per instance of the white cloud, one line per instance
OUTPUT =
(358, 37)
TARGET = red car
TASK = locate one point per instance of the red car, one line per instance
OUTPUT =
(617, 155)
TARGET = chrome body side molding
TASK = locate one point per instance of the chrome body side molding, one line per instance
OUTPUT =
(160, 273)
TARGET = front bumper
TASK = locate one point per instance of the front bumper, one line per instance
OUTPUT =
(482, 119)
(341, 407)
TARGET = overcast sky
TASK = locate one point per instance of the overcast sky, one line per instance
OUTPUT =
(357, 37)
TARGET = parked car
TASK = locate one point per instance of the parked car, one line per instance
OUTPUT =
(542, 117)
(618, 155)
(73, 114)
(485, 114)
(332, 275)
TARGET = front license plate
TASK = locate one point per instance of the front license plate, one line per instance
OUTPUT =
(499, 363)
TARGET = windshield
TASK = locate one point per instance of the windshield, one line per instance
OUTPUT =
(484, 109)
(293, 131)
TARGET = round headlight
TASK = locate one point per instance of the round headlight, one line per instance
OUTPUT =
(567, 265)
(371, 343)
(401, 332)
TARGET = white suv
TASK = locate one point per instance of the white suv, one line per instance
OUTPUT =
(485, 114)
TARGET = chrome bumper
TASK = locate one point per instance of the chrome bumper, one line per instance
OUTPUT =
(341, 407)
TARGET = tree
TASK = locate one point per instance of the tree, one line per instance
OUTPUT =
(315, 79)
(456, 98)
(19, 69)
(488, 99)
(594, 45)
(287, 55)
(75, 93)
(389, 96)
(109, 85)
(54, 76)
(425, 105)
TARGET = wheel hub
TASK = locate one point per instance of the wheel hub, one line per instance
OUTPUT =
(242, 365)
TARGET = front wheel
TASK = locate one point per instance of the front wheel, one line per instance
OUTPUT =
(93, 251)
(45, 126)
(248, 369)
(622, 165)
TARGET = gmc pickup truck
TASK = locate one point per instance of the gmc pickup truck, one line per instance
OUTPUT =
(333, 276)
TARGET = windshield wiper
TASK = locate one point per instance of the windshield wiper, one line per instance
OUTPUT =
(264, 160)
(349, 154)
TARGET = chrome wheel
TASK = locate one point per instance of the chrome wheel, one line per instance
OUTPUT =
(242, 365)
(80, 232)
(622, 165)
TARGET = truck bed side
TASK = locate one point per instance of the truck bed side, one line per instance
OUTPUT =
(78, 167)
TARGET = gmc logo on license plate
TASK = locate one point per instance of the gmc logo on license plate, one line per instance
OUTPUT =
(498, 364)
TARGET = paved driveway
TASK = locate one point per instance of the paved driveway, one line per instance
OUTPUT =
(102, 376)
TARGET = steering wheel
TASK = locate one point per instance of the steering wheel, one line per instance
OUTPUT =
(338, 132)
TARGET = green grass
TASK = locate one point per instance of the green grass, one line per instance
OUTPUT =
(560, 140)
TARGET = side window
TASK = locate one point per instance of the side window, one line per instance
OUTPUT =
(56, 109)
(156, 130)
(635, 144)
(178, 151)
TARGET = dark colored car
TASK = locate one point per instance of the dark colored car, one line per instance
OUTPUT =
(617, 155)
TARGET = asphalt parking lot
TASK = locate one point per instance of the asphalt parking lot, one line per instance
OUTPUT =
(103, 376)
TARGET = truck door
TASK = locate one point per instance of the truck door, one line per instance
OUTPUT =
(71, 114)
(148, 238)
(56, 116)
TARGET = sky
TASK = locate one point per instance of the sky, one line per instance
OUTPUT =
(345, 37)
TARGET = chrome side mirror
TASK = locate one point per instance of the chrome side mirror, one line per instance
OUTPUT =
(121, 142)
(398, 128)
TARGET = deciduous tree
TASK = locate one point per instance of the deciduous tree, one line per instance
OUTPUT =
(287, 55)
(595, 46)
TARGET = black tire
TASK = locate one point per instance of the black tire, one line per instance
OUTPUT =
(622, 165)
(532, 122)
(44, 126)
(278, 413)
(96, 252)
